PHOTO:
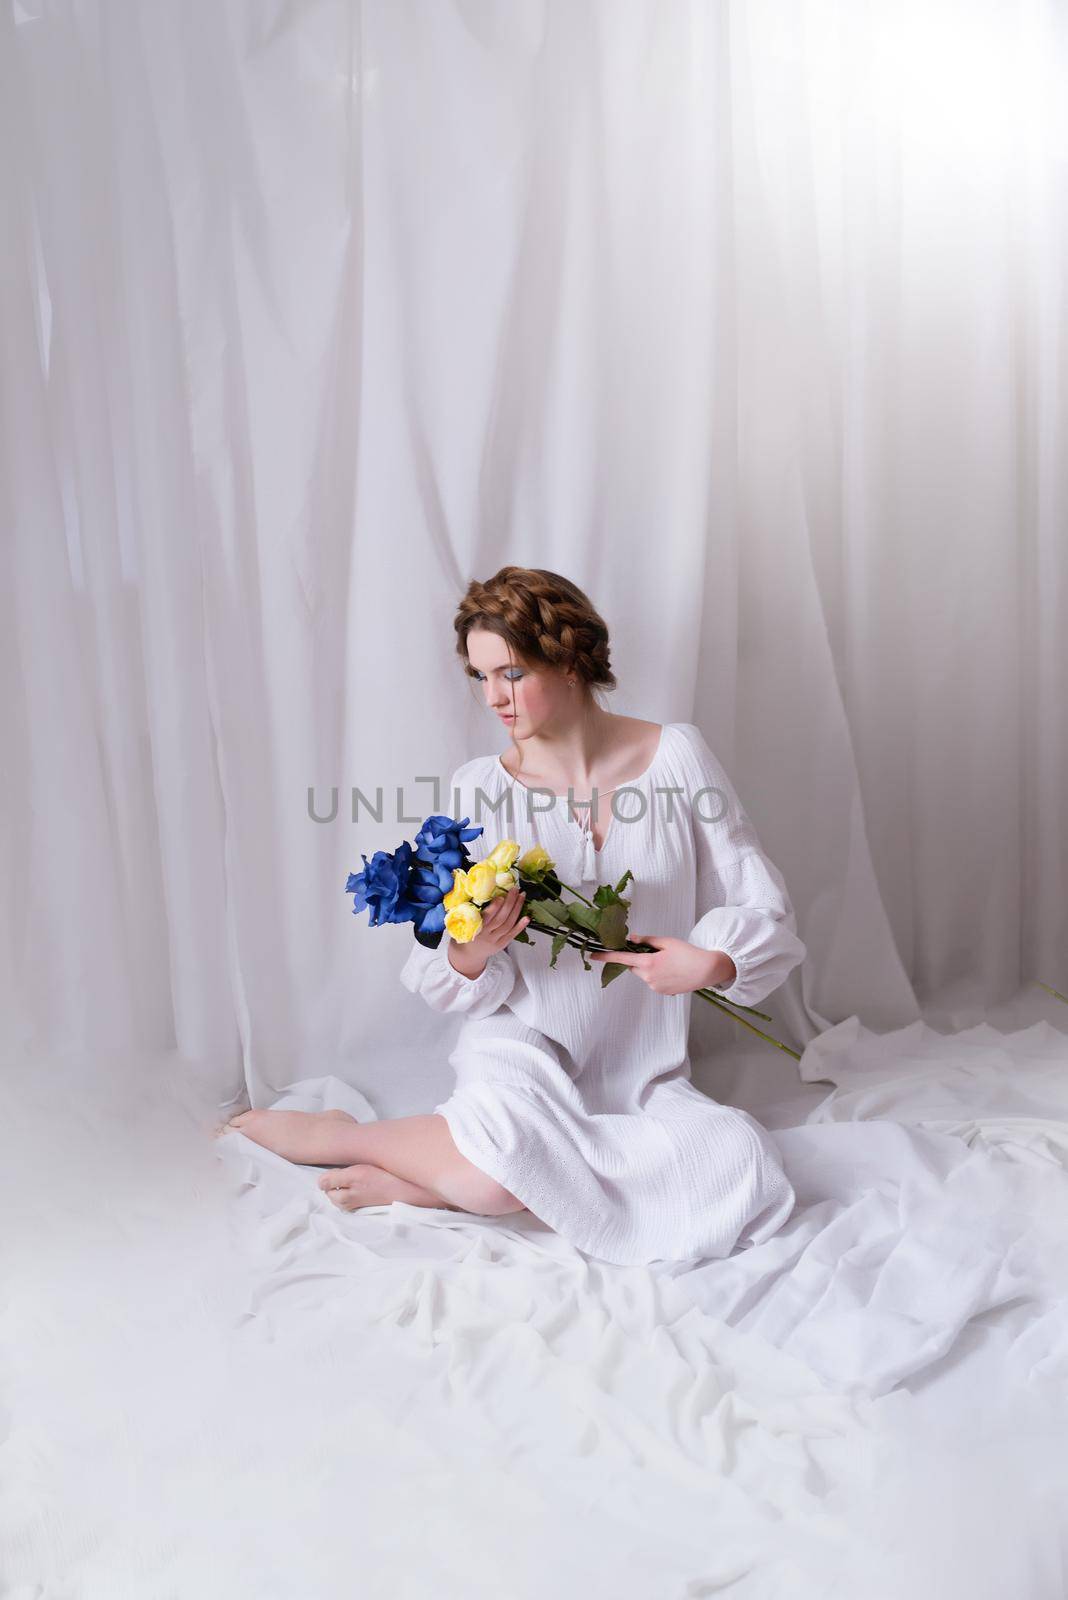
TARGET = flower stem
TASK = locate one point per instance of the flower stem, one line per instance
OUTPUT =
(725, 1005)
(591, 943)
(578, 895)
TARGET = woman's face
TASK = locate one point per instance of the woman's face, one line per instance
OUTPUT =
(538, 696)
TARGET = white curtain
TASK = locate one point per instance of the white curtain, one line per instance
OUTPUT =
(750, 317)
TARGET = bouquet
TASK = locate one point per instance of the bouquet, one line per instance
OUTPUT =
(437, 887)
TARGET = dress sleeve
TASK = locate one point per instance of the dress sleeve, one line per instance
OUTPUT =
(430, 973)
(742, 904)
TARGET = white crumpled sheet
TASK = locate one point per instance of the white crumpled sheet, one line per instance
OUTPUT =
(216, 1383)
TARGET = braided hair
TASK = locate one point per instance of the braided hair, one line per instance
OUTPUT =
(546, 619)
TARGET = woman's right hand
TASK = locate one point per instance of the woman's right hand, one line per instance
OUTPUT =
(502, 919)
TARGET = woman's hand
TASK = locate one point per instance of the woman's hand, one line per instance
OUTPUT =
(501, 921)
(675, 966)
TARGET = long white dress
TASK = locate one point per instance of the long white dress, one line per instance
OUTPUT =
(578, 1099)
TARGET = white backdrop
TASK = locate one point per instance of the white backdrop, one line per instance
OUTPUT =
(750, 317)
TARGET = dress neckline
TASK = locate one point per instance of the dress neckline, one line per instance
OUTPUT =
(593, 854)
(626, 784)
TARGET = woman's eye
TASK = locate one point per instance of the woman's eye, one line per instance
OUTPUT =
(515, 677)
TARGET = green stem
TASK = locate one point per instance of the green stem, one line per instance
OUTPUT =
(590, 943)
(1048, 990)
(725, 1005)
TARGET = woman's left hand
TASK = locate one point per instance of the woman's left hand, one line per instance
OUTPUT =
(675, 966)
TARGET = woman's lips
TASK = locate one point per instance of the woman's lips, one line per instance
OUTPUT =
(506, 716)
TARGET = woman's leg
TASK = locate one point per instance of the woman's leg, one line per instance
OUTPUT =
(418, 1149)
(349, 1188)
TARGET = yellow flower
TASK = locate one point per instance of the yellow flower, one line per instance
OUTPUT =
(507, 880)
(504, 854)
(482, 881)
(536, 861)
(463, 923)
(458, 895)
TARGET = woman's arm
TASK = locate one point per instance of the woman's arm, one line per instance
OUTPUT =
(744, 909)
(473, 978)
(431, 974)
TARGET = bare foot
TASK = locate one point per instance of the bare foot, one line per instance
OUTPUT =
(308, 1137)
(351, 1188)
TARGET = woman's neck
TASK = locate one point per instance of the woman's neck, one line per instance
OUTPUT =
(576, 757)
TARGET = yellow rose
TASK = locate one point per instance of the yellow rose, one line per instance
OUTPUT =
(504, 854)
(482, 881)
(463, 923)
(506, 881)
(536, 861)
(458, 895)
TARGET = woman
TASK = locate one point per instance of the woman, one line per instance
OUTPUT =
(571, 1100)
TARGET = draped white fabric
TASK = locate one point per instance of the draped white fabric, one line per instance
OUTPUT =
(749, 317)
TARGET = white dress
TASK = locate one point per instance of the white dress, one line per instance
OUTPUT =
(578, 1099)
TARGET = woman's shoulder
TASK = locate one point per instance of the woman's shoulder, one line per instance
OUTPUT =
(687, 736)
(480, 776)
(472, 787)
(689, 754)
(684, 740)
(689, 732)
(478, 768)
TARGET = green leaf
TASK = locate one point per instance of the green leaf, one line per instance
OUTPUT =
(588, 917)
(559, 943)
(613, 926)
(610, 970)
(547, 913)
(605, 895)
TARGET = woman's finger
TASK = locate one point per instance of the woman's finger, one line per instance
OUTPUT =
(512, 922)
(496, 908)
(626, 958)
(509, 906)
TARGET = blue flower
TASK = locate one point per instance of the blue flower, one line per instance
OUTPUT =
(441, 848)
(441, 842)
(382, 886)
(427, 888)
(409, 886)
